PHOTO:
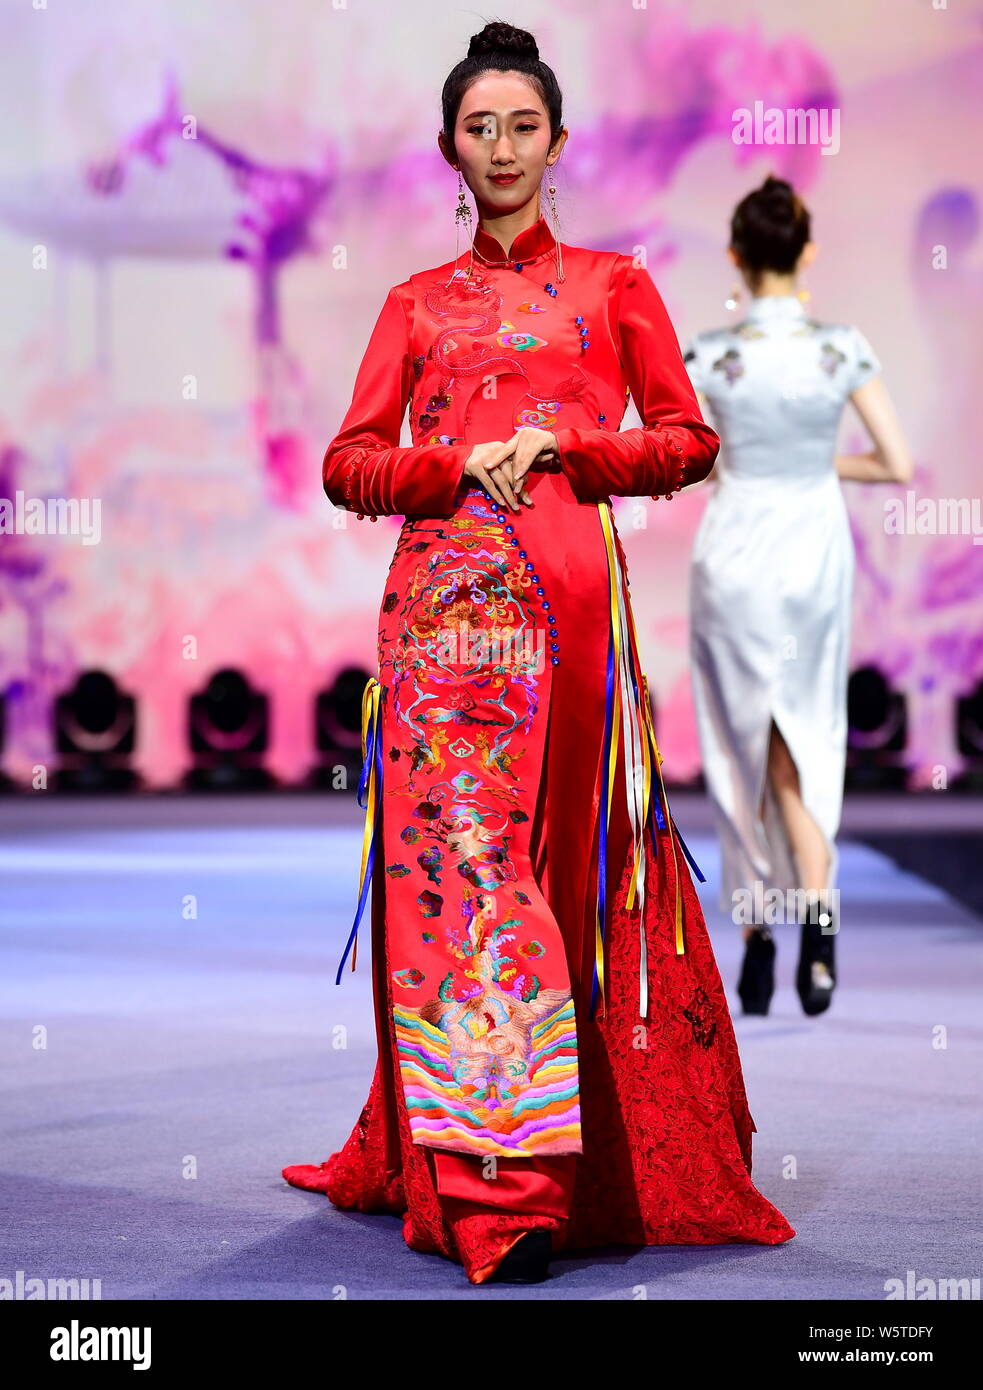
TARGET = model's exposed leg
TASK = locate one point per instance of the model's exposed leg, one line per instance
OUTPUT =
(811, 858)
(809, 848)
(815, 979)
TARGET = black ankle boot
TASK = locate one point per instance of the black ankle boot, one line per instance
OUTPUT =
(757, 982)
(814, 984)
(528, 1260)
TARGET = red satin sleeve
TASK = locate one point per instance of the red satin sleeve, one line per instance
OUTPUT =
(675, 445)
(364, 469)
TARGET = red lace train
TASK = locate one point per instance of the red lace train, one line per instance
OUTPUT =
(666, 1126)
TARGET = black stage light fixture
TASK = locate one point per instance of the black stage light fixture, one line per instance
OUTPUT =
(228, 733)
(877, 733)
(969, 739)
(95, 735)
(338, 730)
(7, 783)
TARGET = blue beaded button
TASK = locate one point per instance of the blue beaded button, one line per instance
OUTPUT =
(530, 566)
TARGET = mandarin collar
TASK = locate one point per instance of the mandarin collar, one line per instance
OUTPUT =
(531, 243)
(776, 306)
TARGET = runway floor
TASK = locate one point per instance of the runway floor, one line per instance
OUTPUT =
(159, 1068)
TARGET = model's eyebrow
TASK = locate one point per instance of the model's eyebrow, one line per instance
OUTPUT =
(526, 111)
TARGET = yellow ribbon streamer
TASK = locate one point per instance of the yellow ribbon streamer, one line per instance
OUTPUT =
(370, 720)
(657, 759)
(637, 708)
(615, 726)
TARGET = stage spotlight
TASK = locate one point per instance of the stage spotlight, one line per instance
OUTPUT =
(7, 783)
(95, 734)
(969, 739)
(877, 733)
(338, 730)
(228, 731)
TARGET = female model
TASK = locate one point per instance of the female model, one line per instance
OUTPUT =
(771, 582)
(557, 1065)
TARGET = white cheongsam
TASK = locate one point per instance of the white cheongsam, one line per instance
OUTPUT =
(771, 577)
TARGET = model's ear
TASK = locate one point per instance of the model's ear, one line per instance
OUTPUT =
(557, 145)
(447, 150)
(807, 255)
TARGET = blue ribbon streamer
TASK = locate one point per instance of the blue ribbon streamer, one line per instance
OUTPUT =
(692, 862)
(602, 857)
(373, 757)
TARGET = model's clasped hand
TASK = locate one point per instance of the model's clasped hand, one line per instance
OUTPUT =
(500, 467)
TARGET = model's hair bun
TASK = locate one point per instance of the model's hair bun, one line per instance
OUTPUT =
(777, 199)
(499, 37)
(779, 188)
(501, 47)
(770, 227)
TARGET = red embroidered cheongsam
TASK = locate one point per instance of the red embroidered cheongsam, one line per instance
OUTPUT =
(529, 892)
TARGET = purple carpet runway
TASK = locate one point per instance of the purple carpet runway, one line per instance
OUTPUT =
(172, 1037)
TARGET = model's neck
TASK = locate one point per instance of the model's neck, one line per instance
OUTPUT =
(506, 226)
(771, 283)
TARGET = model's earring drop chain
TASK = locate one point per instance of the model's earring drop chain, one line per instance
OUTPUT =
(462, 214)
(556, 234)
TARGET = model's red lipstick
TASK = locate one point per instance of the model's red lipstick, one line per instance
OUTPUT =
(504, 179)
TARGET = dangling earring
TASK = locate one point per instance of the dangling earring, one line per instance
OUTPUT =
(803, 295)
(735, 298)
(461, 214)
(551, 190)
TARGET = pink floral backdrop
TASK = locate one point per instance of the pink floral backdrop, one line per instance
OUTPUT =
(204, 208)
